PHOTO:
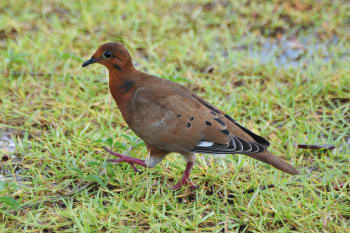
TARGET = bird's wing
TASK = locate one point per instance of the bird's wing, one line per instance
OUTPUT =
(238, 139)
(174, 119)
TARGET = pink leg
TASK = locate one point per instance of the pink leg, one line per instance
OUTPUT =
(132, 161)
(124, 158)
(184, 179)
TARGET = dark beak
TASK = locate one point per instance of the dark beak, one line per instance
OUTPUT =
(88, 62)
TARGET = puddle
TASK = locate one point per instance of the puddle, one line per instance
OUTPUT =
(9, 158)
(297, 52)
(288, 52)
(7, 144)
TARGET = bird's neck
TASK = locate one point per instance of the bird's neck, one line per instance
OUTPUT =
(122, 85)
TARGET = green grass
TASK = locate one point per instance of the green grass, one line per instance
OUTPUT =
(62, 116)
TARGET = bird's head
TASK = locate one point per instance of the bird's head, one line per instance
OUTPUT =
(113, 55)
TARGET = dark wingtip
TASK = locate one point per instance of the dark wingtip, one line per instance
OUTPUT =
(256, 137)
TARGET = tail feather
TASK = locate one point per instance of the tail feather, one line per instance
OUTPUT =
(276, 162)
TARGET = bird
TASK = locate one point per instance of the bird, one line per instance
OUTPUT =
(170, 118)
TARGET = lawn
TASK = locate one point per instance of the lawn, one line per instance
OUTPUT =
(280, 68)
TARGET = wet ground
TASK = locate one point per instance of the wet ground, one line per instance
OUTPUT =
(7, 144)
(286, 52)
(296, 52)
(7, 153)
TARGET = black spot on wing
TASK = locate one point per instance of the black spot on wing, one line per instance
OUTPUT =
(225, 131)
(192, 118)
(188, 125)
(208, 123)
(179, 115)
(220, 121)
(257, 138)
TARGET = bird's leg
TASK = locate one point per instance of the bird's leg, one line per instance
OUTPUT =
(185, 176)
(124, 158)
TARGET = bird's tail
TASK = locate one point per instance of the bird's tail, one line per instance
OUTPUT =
(276, 162)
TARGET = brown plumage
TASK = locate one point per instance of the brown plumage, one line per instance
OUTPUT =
(169, 118)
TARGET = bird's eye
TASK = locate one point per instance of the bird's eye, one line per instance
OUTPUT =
(107, 54)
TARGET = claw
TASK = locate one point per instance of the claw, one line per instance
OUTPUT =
(135, 169)
(180, 184)
(184, 180)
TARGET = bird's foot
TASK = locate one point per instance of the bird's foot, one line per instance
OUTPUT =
(124, 158)
(185, 178)
(181, 183)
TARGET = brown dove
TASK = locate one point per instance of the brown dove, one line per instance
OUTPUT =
(170, 118)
